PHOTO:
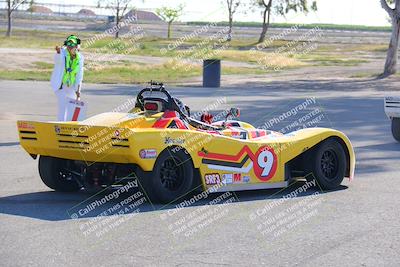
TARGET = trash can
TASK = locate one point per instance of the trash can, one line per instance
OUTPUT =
(111, 19)
(212, 73)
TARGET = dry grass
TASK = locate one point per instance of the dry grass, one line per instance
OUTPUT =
(264, 59)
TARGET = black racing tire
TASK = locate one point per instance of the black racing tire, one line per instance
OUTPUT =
(171, 178)
(327, 163)
(396, 129)
(50, 170)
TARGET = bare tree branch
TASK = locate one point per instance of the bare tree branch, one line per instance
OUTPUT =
(119, 7)
(267, 5)
(233, 6)
(11, 7)
(387, 8)
(123, 11)
(17, 4)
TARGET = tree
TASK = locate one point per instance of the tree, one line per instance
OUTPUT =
(233, 6)
(281, 8)
(170, 15)
(391, 56)
(119, 7)
(12, 5)
(31, 4)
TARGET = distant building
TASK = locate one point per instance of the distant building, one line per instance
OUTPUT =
(86, 12)
(143, 15)
(40, 9)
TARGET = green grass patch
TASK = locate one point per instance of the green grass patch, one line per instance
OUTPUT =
(334, 48)
(360, 75)
(266, 59)
(25, 75)
(43, 65)
(140, 74)
(330, 60)
(168, 72)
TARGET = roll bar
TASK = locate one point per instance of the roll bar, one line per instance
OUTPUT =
(171, 105)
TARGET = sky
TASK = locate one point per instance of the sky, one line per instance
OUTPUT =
(354, 12)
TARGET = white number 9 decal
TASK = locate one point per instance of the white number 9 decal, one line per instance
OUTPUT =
(265, 161)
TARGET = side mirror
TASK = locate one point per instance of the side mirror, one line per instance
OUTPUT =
(233, 112)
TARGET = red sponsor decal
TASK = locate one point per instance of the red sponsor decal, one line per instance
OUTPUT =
(237, 177)
(161, 123)
(25, 125)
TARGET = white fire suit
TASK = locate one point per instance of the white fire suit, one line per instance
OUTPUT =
(63, 92)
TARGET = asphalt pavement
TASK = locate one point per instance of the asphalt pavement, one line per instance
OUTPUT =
(356, 225)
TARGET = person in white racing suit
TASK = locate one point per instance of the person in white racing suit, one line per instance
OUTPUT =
(67, 76)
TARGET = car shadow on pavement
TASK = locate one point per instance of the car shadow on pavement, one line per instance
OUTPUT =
(56, 206)
(9, 144)
(391, 147)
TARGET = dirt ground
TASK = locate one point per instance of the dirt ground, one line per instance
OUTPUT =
(336, 42)
(25, 59)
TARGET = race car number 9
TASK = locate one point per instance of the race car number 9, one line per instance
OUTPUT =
(266, 163)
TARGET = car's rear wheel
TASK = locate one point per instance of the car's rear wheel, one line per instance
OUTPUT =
(54, 174)
(396, 129)
(171, 178)
(327, 164)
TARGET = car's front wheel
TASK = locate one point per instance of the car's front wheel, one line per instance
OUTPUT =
(171, 178)
(54, 174)
(327, 164)
(396, 129)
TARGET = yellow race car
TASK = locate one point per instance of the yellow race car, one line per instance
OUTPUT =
(169, 153)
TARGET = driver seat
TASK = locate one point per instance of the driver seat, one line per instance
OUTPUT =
(154, 105)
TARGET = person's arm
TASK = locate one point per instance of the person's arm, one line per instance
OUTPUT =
(56, 76)
(58, 56)
(79, 77)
